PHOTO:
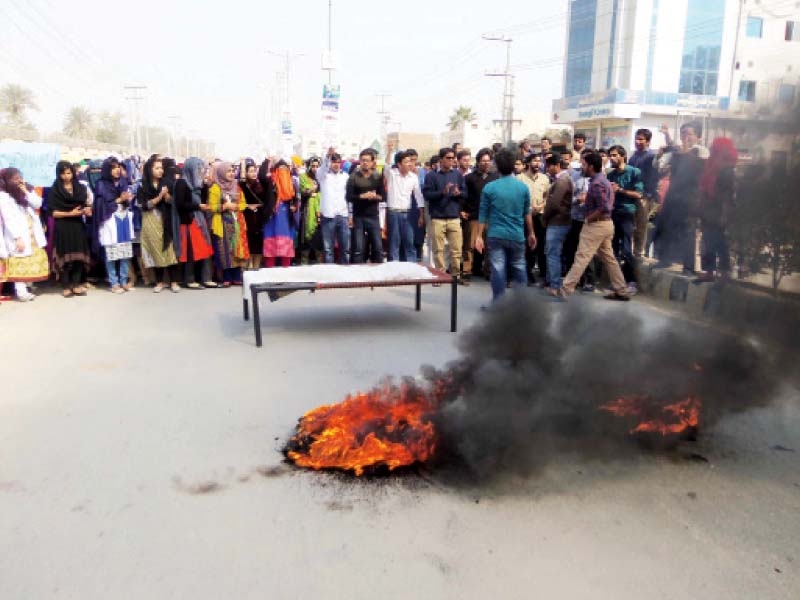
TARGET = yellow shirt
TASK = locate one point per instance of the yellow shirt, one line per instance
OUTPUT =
(539, 186)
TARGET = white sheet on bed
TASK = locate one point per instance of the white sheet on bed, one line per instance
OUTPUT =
(389, 271)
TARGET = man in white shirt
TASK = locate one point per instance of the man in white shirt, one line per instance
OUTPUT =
(402, 184)
(335, 218)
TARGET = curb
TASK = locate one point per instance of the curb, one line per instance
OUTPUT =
(776, 317)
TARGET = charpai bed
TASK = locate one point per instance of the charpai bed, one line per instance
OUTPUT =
(280, 282)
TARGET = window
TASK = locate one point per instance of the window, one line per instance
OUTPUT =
(755, 27)
(792, 31)
(702, 47)
(747, 91)
(786, 94)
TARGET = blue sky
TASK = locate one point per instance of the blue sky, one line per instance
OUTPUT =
(210, 63)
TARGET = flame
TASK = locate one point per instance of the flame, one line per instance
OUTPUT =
(389, 426)
(667, 419)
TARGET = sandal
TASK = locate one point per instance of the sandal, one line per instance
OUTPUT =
(79, 291)
(174, 288)
(67, 293)
(194, 286)
(117, 289)
(159, 288)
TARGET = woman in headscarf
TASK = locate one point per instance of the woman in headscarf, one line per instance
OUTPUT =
(259, 198)
(228, 229)
(309, 206)
(280, 229)
(22, 232)
(67, 203)
(716, 201)
(113, 224)
(193, 241)
(155, 200)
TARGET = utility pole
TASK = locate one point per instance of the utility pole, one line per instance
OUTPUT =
(507, 111)
(135, 94)
(329, 66)
(385, 116)
(286, 108)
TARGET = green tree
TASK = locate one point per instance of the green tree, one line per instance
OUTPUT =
(15, 102)
(79, 123)
(463, 114)
(764, 224)
(110, 128)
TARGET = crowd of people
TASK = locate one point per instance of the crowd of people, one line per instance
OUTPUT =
(546, 218)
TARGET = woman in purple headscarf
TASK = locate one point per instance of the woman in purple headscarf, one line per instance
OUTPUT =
(22, 233)
(113, 222)
(228, 228)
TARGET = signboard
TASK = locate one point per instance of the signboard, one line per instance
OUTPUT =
(330, 115)
(36, 161)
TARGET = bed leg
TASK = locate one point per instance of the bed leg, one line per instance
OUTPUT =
(454, 305)
(418, 305)
(245, 309)
(256, 318)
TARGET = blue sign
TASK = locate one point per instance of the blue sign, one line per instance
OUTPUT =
(36, 161)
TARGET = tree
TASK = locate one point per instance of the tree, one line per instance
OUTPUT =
(764, 224)
(79, 123)
(463, 114)
(15, 101)
(110, 128)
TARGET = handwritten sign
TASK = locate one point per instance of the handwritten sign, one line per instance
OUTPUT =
(36, 161)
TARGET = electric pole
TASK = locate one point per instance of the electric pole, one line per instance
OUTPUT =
(385, 116)
(507, 111)
(135, 94)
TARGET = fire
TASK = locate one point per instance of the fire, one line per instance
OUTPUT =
(389, 426)
(655, 417)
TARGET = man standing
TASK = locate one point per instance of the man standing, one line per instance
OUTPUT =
(557, 220)
(470, 207)
(418, 204)
(547, 145)
(505, 214)
(364, 192)
(334, 220)
(464, 159)
(597, 232)
(527, 171)
(578, 146)
(443, 192)
(644, 159)
(626, 182)
(402, 184)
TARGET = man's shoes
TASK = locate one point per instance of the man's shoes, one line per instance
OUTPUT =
(464, 280)
(617, 297)
(632, 289)
(588, 288)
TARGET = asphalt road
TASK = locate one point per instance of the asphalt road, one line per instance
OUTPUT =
(139, 458)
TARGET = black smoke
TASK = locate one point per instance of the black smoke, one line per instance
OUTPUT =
(532, 376)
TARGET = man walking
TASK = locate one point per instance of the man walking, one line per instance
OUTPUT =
(505, 215)
(364, 192)
(443, 192)
(597, 232)
(470, 207)
(644, 159)
(335, 220)
(626, 182)
(557, 220)
(402, 185)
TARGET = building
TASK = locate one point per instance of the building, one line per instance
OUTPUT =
(644, 63)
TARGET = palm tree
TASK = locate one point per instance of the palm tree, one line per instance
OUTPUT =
(15, 100)
(463, 114)
(79, 122)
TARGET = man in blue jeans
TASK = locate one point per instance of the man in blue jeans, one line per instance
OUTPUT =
(505, 215)
(626, 181)
(557, 220)
(334, 214)
(402, 186)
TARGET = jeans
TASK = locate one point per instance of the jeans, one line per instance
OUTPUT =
(504, 254)
(556, 234)
(624, 225)
(401, 233)
(335, 226)
(372, 227)
(111, 269)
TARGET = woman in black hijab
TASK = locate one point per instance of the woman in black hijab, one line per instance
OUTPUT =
(68, 205)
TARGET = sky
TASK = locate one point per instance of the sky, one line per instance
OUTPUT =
(212, 64)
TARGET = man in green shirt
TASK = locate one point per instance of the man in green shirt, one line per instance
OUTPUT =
(505, 214)
(628, 187)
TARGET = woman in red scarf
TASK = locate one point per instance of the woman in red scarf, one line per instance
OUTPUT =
(717, 186)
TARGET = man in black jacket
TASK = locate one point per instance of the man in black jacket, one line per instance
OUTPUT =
(365, 191)
(470, 205)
